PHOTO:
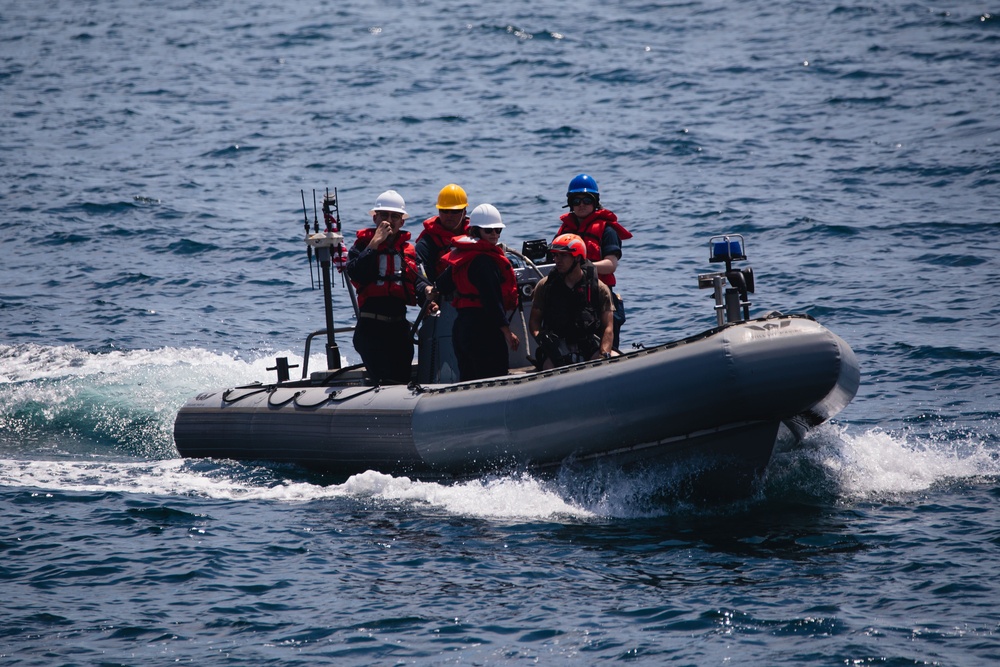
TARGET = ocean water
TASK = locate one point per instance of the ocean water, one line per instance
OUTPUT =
(154, 157)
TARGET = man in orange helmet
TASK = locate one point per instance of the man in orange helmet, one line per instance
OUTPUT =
(572, 315)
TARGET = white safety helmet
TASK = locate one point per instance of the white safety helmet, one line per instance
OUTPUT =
(486, 216)
(390, 200)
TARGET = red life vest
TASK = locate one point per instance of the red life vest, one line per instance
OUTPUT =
(397, 269)
(441, 238)
(464, 250)
(591, 230)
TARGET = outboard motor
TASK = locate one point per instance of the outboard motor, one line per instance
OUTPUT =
(732, 303)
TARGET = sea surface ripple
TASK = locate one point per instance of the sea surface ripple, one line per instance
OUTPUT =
(154, 157)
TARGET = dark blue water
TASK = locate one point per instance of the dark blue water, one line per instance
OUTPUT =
(152, 157)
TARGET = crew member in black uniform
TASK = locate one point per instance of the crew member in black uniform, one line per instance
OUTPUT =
(382, 264)
(572, 314)
(440, 230)
(602, 236)
(483, 286)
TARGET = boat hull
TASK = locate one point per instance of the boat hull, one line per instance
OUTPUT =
(718, 397)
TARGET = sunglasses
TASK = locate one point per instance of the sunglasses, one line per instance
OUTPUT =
(577, 201)
(488, 230)
(388, 215)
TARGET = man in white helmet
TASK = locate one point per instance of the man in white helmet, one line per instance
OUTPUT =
(382, 264)
(484, 289)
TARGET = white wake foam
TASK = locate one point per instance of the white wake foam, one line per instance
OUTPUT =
(877, 463)
(66, 399)
(502, 498)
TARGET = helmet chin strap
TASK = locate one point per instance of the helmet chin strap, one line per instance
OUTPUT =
(572, 267)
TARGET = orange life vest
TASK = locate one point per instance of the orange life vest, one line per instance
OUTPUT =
(464, 250)
(441, 237)
(397, 269)
(591, 230)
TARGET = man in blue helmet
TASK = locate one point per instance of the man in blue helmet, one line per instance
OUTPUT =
(601, 232)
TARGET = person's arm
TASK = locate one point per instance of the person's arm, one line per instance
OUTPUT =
(608, 336)
(537, 309)
(426, 270)
(606, 265)
(383, 233)
(607, 313)
(426, 256)
(535, 320)
(512, 340)
(362, 263)
(445, 283)
(611, 252)
(424, 290)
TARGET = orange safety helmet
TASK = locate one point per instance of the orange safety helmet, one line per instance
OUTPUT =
(570, 243)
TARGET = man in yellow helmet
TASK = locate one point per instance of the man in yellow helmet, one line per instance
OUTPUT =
(439, 230)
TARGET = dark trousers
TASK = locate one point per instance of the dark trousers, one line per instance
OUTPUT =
(480, 346)
(386, 348)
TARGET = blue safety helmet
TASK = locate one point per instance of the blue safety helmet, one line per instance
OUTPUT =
(583, 183)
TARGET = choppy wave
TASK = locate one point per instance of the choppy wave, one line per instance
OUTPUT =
(499, 498)
(835, 464)
(60, 400)
(152, 160)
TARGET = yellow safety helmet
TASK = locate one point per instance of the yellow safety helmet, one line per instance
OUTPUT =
(452, 198)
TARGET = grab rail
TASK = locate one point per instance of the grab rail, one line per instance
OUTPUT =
(309, 338)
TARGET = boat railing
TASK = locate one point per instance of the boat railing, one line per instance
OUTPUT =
(309, 339)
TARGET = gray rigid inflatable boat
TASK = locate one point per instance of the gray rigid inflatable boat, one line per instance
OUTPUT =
(712, 403)
(718, 397)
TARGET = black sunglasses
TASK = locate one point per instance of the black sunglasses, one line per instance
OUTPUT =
(586, 199)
